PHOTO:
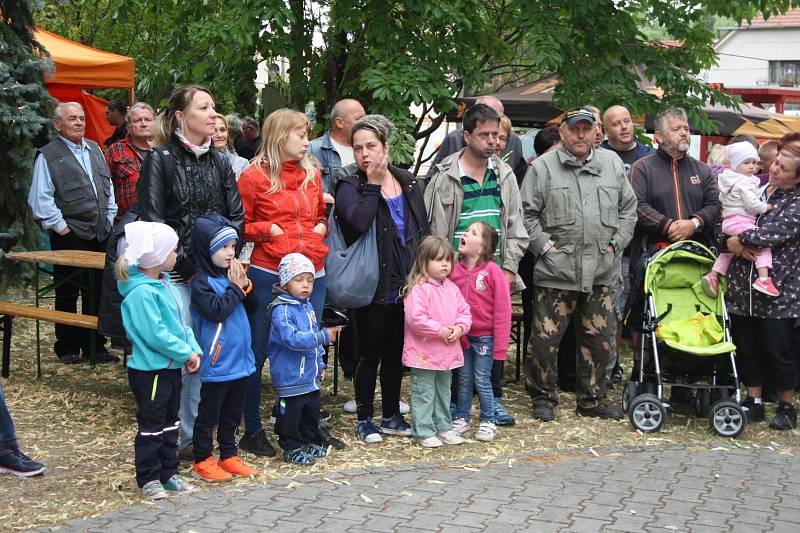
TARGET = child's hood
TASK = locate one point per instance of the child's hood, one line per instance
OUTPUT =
(282, 298)
(136, 279)
(204, 229)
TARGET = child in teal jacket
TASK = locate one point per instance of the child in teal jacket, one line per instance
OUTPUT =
(155, 322)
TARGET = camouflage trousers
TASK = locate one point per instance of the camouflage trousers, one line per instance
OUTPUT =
(594, 331)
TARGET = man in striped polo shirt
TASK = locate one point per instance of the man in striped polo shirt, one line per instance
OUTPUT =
(474, 184)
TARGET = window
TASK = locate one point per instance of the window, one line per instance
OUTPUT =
(786, 73)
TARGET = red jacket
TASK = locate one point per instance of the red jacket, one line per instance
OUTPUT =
(294, 210)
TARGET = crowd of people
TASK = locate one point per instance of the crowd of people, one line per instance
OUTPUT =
(176, 197)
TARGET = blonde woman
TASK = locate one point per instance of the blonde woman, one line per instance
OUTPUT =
(282, 195)
(220, 140)
(181, 179)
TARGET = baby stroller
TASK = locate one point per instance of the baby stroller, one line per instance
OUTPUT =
(688, 336)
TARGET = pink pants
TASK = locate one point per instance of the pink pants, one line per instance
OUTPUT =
(734, 225)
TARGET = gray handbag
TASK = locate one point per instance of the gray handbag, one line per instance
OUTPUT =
(351, 272)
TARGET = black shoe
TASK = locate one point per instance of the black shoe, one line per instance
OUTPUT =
(102, 356)
(616, 374)
(600, 411)
(257, 444)
(71, 359)
(754, 412)
(543, 412)
(785, 417)
(325, 439)
(17, 463)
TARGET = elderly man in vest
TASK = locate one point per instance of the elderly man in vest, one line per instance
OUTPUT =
(71, 194)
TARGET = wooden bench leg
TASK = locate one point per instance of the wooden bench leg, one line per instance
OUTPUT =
(7, 322)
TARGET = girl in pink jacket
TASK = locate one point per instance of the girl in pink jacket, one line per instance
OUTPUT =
(486, 290)
(436, 316)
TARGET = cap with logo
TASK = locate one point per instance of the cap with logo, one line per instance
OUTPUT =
(573, 116)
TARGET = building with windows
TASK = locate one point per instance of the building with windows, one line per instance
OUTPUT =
(764, 54)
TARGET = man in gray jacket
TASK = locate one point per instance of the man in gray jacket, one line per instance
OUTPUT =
(579, 211)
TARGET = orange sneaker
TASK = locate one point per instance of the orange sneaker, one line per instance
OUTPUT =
(234, 465)
(209, 470)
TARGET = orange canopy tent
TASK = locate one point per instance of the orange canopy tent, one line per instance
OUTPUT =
(79, 67)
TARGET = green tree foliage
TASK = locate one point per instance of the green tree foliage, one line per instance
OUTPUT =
(391, 54)
(25, 108)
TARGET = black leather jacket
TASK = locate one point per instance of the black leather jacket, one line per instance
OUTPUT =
(198, 186)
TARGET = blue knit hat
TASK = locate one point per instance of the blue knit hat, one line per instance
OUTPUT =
(221, 238)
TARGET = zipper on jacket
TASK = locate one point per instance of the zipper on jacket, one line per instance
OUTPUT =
(677, 188)
(177, 308)
(297, 222)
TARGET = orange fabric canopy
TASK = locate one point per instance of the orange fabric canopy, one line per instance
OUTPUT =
(84, 66)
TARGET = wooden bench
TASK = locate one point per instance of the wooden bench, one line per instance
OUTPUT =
(9, 310)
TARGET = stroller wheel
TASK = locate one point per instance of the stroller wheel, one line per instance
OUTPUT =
(727, 418)
(647, 414)
(629, 392)
(702, 402)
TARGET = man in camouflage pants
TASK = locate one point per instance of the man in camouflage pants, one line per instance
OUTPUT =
(580, 211)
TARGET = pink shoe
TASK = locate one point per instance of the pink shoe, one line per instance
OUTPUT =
(711, 284)
(767, 287)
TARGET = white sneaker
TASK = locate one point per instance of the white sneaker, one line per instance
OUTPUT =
(460, 426)
(450, 437)
(430, 442)
(486, 432)
(350, 406)
(404, 408)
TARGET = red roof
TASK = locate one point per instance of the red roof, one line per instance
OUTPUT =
(790, 18)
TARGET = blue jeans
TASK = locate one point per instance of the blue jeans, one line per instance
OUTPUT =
(190, 383)
(259, 329)
(476, 373)
(8, 437)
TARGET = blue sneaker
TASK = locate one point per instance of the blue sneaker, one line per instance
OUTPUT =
(367, 431)
(501, 416)
(298, 456)
(315, 451)
(17, 463)
(396, 425)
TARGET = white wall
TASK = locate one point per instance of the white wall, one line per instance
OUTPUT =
(739, 68)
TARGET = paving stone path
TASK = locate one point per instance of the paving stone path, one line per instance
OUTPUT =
(632, 489)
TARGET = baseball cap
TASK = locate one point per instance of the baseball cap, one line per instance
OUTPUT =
(575, 115)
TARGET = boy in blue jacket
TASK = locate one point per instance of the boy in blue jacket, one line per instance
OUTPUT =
(221, 298)
(295, 350)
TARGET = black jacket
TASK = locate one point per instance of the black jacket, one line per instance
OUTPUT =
(359, 203)
(109, 319)
(198, 186)
(667, 190)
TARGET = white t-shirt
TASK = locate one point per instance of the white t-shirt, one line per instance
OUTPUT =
(345, 153)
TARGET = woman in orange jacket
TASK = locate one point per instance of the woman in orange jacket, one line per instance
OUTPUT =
(281, 193)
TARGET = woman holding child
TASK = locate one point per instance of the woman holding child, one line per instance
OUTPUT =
(284, 213)
(763, 326)
(375, 191)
